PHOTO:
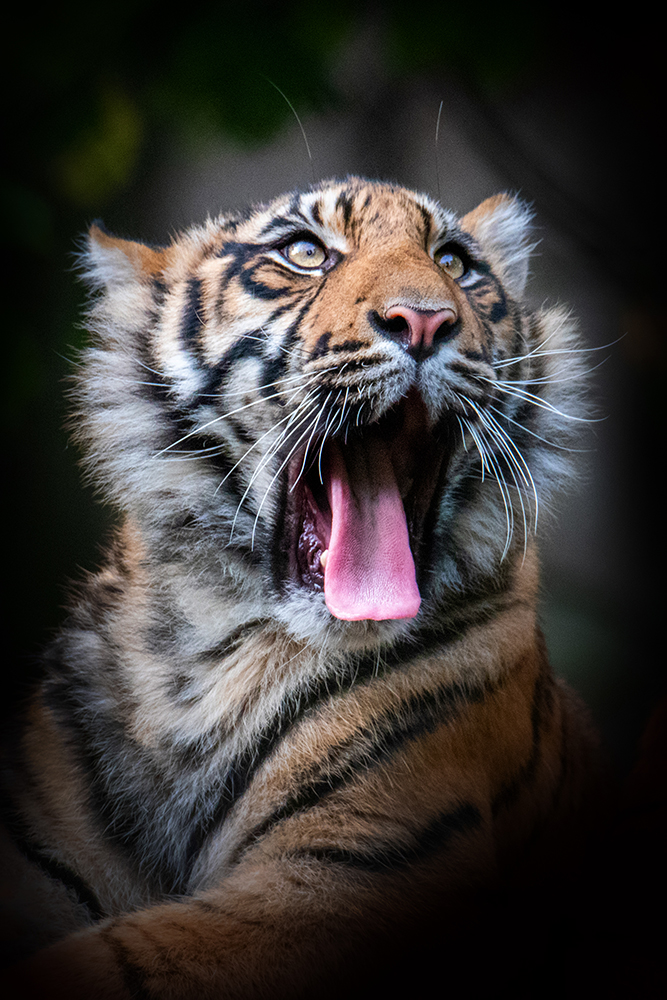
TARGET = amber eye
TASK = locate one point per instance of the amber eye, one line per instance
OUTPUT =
(305, 253)
(450, 262)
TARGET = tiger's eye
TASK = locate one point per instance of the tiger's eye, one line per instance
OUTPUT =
(303, 253)
(451, 263)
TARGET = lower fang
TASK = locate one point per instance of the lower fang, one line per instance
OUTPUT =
(323, 558)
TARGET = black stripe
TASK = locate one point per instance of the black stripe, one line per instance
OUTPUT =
(123, 778)
(349, 345)
(499, 309)
(281, 222)
(192, 319)
(541, 707)
(489, 297)
(241, 266)
(283, 532)
(257, 289)
(475, 355)
(427, 219)
(157, 389)
(244, 347)
(62, 873)
(133, 975)
(275, 368)
(383, 857)
(545, 822)
(321, 347)
(304, 701)
(159, 807)
(69, 878)
(232, 641)
(371, 746)
(182, 686)
(346, 203)
(461, 368)
(273, 371)
(151, 383)
(15, 767)
(316, 212)
(273, 316)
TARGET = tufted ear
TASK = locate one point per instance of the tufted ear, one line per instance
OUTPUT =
(111, 262)
(501, 225)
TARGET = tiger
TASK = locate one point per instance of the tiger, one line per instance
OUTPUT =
(303, 719)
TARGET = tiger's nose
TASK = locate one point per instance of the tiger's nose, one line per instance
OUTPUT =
(422, 327)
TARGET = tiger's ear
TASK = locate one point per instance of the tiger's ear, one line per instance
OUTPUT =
(502, 225)
(111, 262)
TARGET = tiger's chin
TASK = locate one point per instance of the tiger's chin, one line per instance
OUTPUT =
(361, 511)
(305, 618)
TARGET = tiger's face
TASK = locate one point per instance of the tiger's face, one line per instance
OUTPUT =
(319, 408)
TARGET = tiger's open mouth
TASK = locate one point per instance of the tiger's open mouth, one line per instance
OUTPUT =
(364, 511)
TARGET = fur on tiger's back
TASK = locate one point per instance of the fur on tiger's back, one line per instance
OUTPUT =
(304, 710)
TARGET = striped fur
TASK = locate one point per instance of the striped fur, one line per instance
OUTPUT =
(223, 788)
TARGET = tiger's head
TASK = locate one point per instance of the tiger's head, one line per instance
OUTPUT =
(336, 409)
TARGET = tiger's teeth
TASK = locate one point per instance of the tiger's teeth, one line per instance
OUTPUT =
(323, 558)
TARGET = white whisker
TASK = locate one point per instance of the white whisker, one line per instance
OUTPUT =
(552, 379)
(305, 376)
(305, 454)
(285, 462)
(537, 352)
(538, 401)
(487, 458)
(322, 443)
(271, 430)
(514, 455)
(527, 430)
(273, 449)
(225, 416)
(508, 448)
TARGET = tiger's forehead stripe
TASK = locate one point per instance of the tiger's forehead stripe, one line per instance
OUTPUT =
(344, 213)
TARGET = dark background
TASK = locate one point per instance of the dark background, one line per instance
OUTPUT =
(152, 118)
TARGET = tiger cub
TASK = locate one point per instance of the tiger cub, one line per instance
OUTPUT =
(305, 707)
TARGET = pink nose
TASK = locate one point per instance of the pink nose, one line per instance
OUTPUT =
(422, 326)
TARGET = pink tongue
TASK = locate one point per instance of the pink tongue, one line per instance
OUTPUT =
(370, 572)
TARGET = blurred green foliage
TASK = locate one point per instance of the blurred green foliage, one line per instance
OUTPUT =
(93, 90)
(93, 86)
